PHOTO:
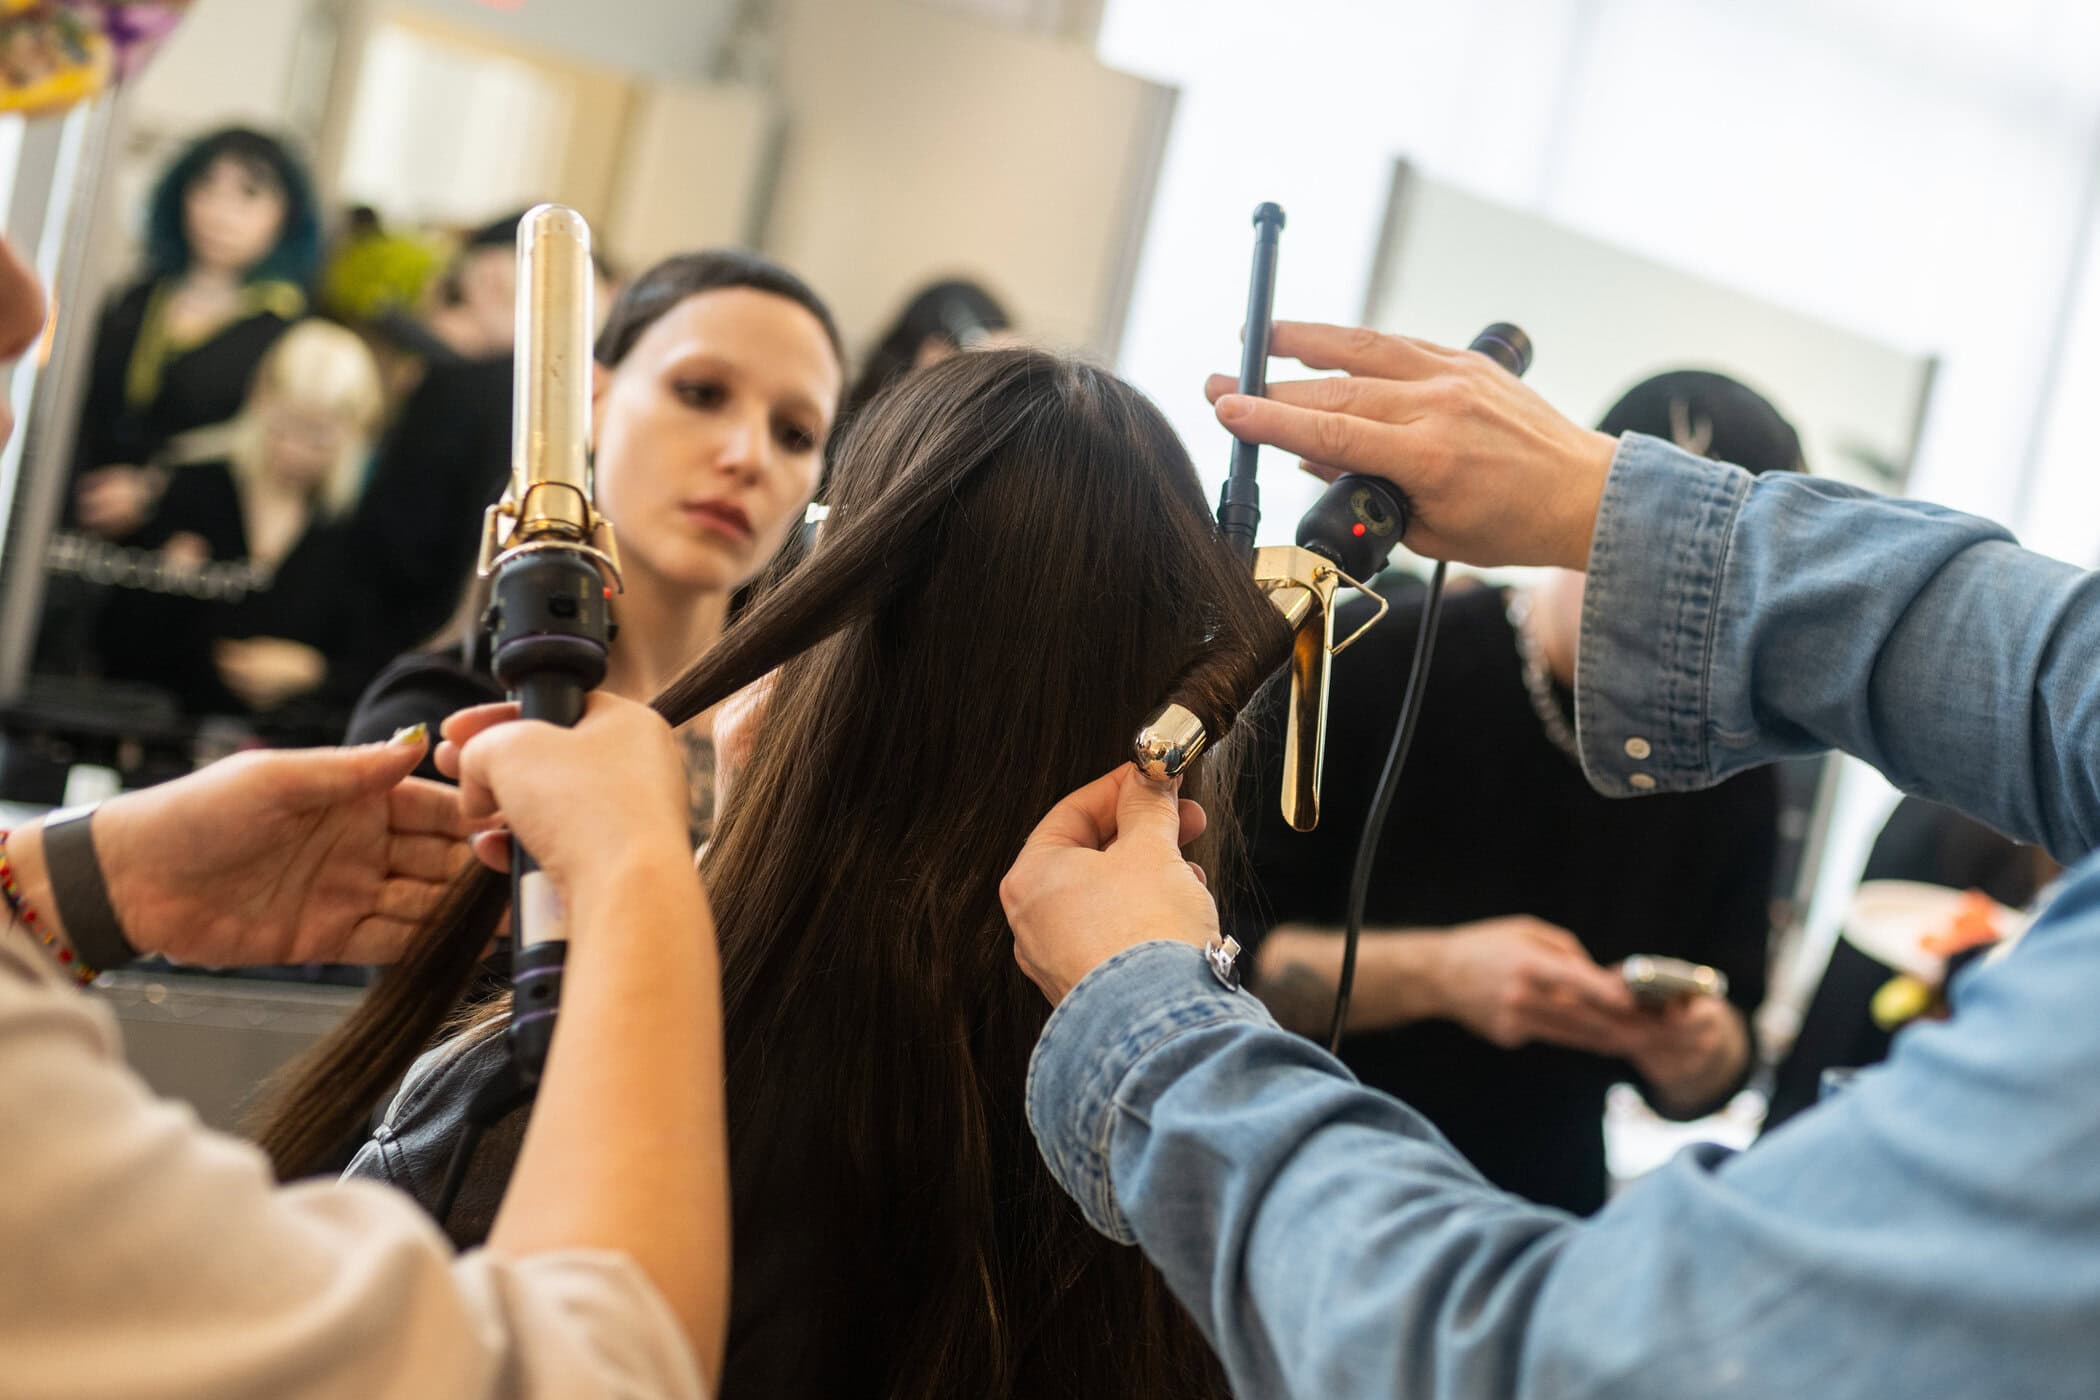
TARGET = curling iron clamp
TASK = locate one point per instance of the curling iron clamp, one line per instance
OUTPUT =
(1303, 586)
(1345, 538)
(1301, 583)
(1351, 530)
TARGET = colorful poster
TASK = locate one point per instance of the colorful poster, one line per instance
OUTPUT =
(56, 53)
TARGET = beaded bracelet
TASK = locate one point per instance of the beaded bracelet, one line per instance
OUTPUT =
(23, 910)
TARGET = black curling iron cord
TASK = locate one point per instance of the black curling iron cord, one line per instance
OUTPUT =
(1509, 347)
(1388, 784)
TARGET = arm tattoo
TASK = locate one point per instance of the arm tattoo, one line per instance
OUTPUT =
(1298, 997)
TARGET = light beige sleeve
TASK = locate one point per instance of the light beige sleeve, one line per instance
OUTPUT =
(142, 1255)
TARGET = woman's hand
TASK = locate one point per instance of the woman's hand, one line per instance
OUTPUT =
(1515, 980)
(306, 855)
(585, 801)
(264, 672)
(1690, 1052)
(114, 501)
(185, 552)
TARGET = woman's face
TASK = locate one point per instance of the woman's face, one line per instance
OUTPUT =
(232, 213)
(709, 435)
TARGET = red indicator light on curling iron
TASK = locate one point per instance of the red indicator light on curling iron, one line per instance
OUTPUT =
(1357, 529)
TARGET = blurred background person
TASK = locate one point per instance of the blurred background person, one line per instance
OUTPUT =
(1506, 891)
(377, 280)
(944, 319)
(259, 608)
(232, 247)
(447, 455)
(470, 308)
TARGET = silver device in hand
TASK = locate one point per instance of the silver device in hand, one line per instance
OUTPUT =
(1657, 980)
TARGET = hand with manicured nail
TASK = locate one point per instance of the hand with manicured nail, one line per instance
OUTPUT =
(587, 801)
(293, 856)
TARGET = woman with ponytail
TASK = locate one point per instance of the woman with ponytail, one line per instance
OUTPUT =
(1018, 567)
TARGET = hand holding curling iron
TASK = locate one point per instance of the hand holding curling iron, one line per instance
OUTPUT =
(1496, 475)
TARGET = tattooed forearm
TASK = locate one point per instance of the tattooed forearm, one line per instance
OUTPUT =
(1297, 996)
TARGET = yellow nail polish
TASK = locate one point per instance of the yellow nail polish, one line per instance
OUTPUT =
(412, 734)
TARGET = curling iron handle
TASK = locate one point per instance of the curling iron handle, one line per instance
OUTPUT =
(1359, 518)
(1239, 500)
(536, 966)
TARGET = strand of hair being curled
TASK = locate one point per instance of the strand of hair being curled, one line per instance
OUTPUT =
(314, 1105)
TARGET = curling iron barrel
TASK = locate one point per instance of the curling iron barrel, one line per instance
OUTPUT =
(554, 567)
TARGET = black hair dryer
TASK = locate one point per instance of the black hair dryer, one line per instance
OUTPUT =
(1357, 520)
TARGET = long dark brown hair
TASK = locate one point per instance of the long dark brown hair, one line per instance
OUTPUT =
(1019, 565)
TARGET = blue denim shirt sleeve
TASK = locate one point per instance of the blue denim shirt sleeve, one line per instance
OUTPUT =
(1933, 1230)
(1326, 1237)
(1730, 621)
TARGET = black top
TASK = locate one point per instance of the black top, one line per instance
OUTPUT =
(1492, 819)
(423, 687)
(414, 1143)
(201, 385)
(415, 1140)
(315, 596)
(419, 521)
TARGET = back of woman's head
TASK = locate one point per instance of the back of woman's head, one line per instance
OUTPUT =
(296, 254)
(683, 275)
(1019, 565)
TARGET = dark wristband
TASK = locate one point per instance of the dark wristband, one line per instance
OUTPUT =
(79, 892)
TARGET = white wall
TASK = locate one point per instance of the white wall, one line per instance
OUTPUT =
(228, 61)
(1602, 319)
(920, 144)
(2063, 501)
(440, 133)
(691, 169)
(658, 38)
(1911, 173)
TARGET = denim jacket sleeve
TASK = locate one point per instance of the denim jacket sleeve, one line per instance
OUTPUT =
(1326, 1237)
(1732, 620)
(1934, 1230)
